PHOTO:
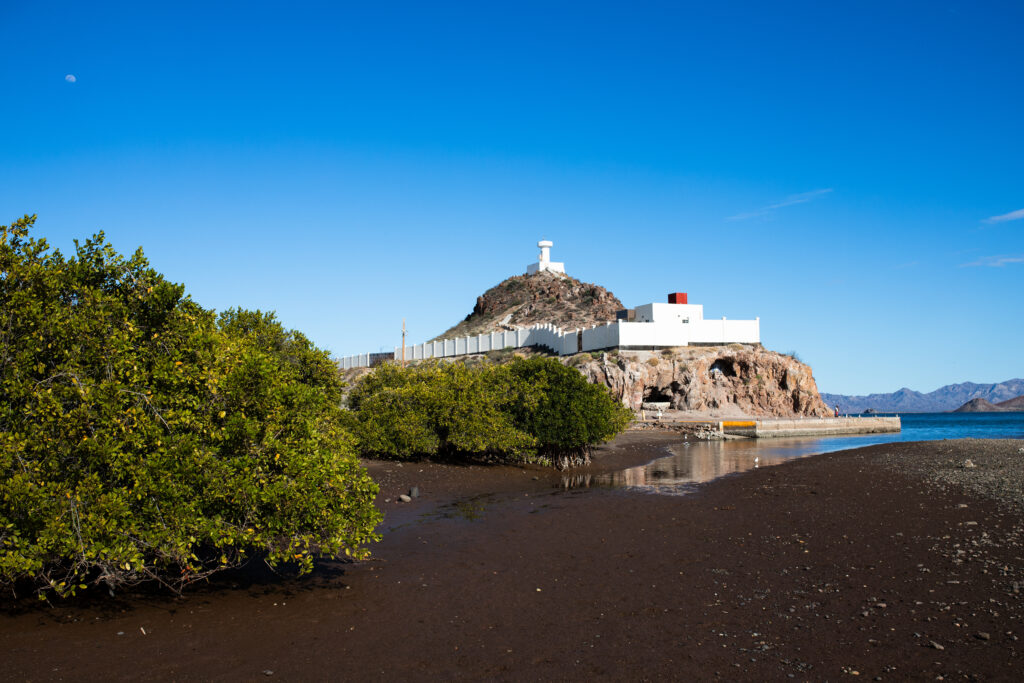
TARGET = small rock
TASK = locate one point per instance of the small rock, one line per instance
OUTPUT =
(962, 505)
(268, 672)
(935, 645)
(969, 464)
(881, 605)
(970, 524)
(404, 498)
(981, 635)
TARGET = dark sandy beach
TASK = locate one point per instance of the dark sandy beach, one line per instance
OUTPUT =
(886, 563)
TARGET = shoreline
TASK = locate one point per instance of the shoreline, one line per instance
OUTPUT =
(885, 560)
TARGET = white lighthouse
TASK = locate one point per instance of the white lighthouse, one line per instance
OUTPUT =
(544, 261)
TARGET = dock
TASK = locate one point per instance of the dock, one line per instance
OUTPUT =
(780, 427)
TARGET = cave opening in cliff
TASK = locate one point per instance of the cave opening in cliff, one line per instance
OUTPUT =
(656, 395)
(724, 366)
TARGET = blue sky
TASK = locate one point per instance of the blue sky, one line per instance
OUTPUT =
(852, 175)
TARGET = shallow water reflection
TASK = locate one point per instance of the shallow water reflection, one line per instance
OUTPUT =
(692, 463)
(695, 462)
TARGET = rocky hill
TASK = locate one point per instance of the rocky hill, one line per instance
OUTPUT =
(943, 399)
(544, 297)
(721, 381)
(1014, 404)
(737, 379)
(980, 405)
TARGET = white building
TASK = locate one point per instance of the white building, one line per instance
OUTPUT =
(682, 324)
(651, 326)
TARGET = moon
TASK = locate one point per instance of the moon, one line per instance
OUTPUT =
(70, 78)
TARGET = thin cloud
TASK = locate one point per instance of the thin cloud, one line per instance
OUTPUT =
(71, 78)
(801, 198)
(1012, 216)
(993, 261)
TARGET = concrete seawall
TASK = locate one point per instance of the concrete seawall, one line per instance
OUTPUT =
(768, 428)
(827, 426)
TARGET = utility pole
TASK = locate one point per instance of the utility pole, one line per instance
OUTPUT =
(403, 342)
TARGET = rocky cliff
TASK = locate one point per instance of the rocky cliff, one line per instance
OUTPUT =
(725, 380)
(544, 297)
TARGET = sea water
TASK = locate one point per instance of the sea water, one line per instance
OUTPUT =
(692, 462)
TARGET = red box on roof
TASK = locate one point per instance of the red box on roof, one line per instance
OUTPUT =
(677, 298)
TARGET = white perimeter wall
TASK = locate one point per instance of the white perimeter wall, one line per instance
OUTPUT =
(726, 332)
(670, 332)
(663, 313)
(360, 360)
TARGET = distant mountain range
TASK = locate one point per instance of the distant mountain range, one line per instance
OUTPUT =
(947, 398)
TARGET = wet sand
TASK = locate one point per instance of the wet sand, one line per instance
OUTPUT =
(868, 561)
